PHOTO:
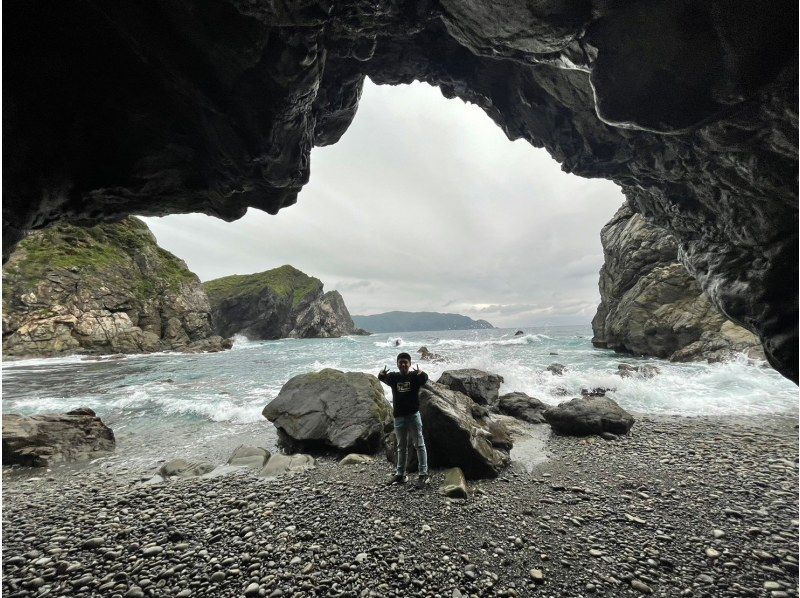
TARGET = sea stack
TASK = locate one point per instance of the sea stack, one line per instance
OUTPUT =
(279, 303)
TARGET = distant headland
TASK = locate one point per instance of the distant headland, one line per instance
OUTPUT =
(411, 321)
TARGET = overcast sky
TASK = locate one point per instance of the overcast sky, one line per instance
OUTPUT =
(424, 204)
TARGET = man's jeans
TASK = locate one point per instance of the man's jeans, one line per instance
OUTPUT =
(405, 426)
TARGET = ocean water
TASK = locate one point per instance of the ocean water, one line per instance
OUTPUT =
(168, 405)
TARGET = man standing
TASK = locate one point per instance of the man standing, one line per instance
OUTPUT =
(405, 387)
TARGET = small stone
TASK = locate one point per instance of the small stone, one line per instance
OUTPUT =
(718, 533)
(537, 575)
(252, 589)
(217, 576)
(711, 553)
(641, 586)
(93, 543)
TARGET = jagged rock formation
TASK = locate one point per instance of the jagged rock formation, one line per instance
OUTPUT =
(650, 305)
(691, 107)
(105, 289)
(278, 303)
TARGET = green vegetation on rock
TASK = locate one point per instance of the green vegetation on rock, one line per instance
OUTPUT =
(108, 288)
(284, 282)
(92, 251)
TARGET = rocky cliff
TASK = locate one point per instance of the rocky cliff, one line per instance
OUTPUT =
(105, 289)
(278, 303)
(190, 106)
(650, 305)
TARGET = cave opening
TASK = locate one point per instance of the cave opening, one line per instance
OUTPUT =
(181, 108)
(424, 205)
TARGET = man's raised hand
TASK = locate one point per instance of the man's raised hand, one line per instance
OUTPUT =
(416, 370)
(383, 372)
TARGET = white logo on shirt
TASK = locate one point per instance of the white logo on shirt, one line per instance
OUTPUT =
(403, 386)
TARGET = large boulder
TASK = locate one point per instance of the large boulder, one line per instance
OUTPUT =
(330, 409)
(589, 415)
(44, 440)
(457, 436)
(482, 387)
(104, 289)
(278, 303)
(521, 406)
(651, 305)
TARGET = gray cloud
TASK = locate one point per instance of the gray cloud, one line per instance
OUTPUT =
(424, 205)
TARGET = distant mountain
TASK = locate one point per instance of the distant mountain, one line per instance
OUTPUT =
(410, 321)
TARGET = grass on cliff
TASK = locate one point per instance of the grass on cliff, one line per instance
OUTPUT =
(104, 250)
(284, 282)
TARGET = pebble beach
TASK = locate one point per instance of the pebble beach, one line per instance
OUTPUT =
(682, 506)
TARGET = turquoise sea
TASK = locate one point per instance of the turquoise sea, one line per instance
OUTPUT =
(169, 405)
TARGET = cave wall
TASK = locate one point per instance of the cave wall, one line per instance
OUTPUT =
(178, 106)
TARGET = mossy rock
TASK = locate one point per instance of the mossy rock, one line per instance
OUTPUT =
(102, 289)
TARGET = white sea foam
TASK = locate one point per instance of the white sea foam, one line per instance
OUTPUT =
(391, 342)
(527, 339)
(42, 362)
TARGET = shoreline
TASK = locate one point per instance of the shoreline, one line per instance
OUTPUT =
(701, 504)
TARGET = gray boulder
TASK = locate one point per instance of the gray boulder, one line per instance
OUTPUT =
(556, 369)
(521, 406)
(44, 440)
(482, 387)
(343, 411)
(589, 415)
(455, 437)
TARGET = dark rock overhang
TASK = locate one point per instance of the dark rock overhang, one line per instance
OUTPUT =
(185, 106)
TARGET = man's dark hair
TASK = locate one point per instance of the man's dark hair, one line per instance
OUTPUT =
(404, 356)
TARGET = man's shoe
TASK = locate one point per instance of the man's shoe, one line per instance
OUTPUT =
(423, 481)
(398, 479)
